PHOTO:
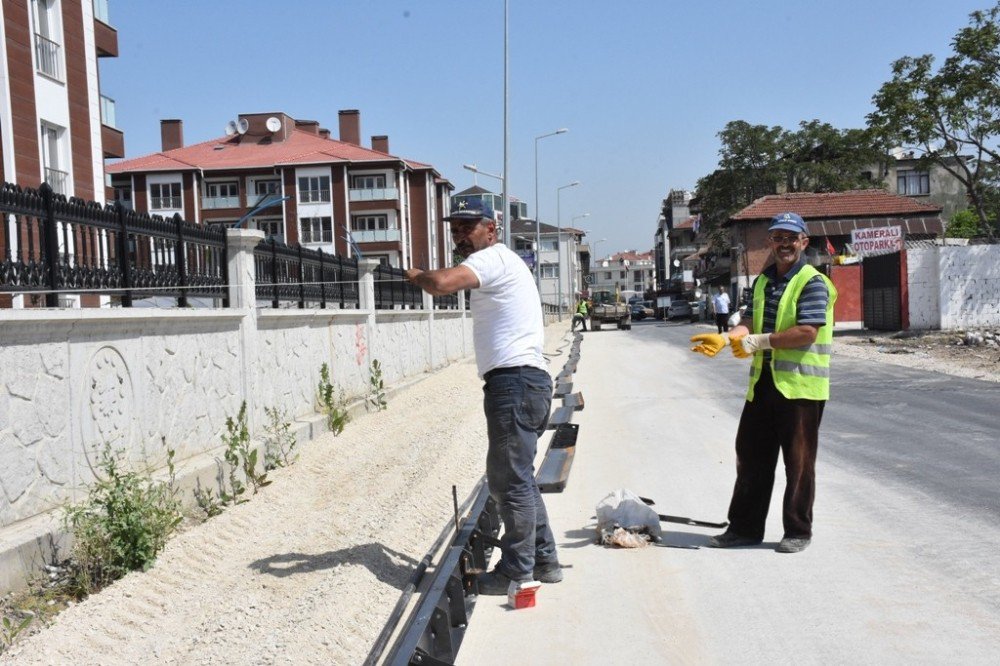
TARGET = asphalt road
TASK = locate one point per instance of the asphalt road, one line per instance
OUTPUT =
(905, 561)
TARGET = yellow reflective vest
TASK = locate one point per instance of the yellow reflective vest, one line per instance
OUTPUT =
(803, 372)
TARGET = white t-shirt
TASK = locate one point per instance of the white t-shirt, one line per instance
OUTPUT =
(507, 326)
(721, 303)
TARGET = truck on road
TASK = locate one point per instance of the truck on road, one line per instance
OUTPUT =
(608, 308)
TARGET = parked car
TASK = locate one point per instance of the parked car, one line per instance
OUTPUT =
(640, 311)
(678, 309)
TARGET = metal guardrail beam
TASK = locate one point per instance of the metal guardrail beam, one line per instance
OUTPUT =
(434, 631)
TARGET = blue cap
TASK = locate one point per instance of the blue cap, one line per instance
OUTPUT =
(471, 210)
(788, 222)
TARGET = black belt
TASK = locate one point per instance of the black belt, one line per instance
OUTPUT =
(504, 371)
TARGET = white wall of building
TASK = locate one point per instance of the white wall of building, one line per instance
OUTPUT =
(954, 286)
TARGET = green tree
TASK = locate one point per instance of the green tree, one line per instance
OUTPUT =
(951, 115)
(821, 158)
(757, 160)
(963, 224)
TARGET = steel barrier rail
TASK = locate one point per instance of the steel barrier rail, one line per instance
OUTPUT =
(434, 631)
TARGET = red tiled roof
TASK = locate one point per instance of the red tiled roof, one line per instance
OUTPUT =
(241, 152)
(687, 224)
(817, 206)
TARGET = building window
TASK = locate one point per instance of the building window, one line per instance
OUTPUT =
(550, 245)
(316, 230)
(222, 190)
(369, 222)
(52, 158)
(370, 182)
(550, 270)
(913, 182)
(522, 243)
(637, 276)
(607, 276)
(164, 196)
(123, 195)
(314, 189)
(47, 56)
(273, 227)
(623, 275)
(265, 187)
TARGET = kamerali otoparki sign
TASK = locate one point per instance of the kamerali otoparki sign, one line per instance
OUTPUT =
(876, 241)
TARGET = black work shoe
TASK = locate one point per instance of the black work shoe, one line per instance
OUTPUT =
(731, 540)
(793, 545)
(550, 572)
(494, 583)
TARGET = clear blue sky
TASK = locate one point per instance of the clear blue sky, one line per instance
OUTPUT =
(643, 86)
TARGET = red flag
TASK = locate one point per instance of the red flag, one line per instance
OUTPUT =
(829, 247)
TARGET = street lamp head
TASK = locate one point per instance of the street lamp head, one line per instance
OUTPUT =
(562, 130)
(470, 167)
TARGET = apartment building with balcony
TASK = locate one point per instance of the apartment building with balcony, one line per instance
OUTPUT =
(55, 124)
(292, 180)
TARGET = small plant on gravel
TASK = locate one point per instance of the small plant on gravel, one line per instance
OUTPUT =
(122, 525)
(334, 406)
(241, 456)
(376, 388)
(279, 441)
(208, 502)
(10, 628)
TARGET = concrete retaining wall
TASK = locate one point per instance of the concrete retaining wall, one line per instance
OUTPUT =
(73, 381)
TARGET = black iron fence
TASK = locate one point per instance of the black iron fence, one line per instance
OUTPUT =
(310, 278)
(52, 245)
(392, 291)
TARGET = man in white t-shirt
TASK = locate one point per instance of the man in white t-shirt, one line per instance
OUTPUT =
(720, 302)
(508, 334)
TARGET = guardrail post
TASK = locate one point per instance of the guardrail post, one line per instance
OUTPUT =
(180, 256)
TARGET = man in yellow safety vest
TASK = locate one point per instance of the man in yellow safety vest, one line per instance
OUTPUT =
(787, 332)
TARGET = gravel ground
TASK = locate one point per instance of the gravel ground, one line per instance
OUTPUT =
(309, 570)
(935, 351)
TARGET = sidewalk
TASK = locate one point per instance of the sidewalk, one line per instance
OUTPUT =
(876, 586)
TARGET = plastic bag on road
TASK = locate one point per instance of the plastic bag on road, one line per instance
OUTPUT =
(622, 516)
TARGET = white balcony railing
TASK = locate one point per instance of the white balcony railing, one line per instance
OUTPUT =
(220, 202)
(47, 57)
(57, 180)
(376, 236)
(165, 203)
(374, 194)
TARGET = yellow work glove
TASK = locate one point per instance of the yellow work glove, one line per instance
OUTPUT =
(710, 344)
(745, 346)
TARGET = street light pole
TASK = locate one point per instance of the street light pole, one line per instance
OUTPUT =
(538, 217)
(559, 293)
(572, 258)
(505, 199)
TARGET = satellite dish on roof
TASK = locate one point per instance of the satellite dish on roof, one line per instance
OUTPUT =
(231, 128)
(273, 124)
(242, 126)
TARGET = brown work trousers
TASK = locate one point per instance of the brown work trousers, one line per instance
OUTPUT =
(772, 423)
